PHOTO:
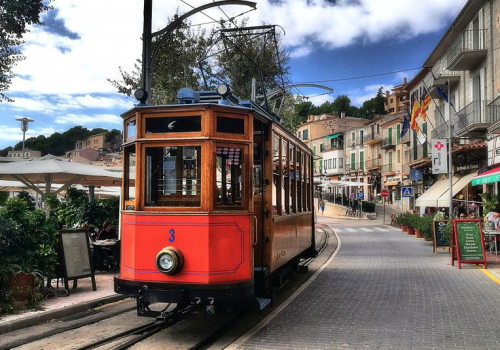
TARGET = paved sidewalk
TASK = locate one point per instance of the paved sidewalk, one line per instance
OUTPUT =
(388, 290)
(80, 299)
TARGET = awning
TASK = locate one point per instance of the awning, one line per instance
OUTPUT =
(438, 194)
(393, 183)
(333, 136)
(487, 177)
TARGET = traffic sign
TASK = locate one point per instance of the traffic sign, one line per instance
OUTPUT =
(406, 192)
(361, 196)
(384, 193)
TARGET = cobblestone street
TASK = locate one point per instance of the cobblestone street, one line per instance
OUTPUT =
(387, 290)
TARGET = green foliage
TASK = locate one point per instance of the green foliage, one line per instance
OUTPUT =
(447, 229)
(490, 202)
(28, 242)
(405, 219)
(424, 225)
(3, 198)
(15, 18)
(374, 106)
(28, 199)
(368, 207)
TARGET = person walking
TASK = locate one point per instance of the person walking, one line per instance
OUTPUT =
(321, 206)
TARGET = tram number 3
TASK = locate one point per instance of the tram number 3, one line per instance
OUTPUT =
(172, 236)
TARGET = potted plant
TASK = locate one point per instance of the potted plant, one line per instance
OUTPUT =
(412, 223)
(27, 247)
(404, 221)
(419, 222)
(425, 227)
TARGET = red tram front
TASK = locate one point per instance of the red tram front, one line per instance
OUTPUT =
(207, 200)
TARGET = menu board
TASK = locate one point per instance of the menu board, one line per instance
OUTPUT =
(437, 238)
(76, 255)
(469, 241)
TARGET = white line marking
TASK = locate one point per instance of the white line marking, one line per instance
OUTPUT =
(336, 229)
(280, 308)
(381, 229)
(350, 229)
(365, 229)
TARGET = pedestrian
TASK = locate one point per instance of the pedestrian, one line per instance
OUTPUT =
(492, 221)
(321, 206)
(107, 232)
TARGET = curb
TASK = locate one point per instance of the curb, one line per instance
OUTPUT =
(43, 317)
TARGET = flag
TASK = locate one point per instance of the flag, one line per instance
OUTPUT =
(406, 123)
(425, 103)
(415, 111)
(441, 93)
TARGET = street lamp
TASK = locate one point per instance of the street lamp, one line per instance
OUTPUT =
(24, 127)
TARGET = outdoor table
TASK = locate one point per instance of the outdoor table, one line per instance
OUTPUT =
(109, 247)
(493, 236)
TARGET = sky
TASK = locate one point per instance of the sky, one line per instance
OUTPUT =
(63, 82)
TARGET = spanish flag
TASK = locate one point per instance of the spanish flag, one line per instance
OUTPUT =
(415, 111)
(426, 102)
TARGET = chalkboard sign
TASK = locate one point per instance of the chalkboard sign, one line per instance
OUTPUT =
(76, 256)
(437, 236)
(469, 242)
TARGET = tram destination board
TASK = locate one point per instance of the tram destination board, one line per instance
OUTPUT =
(469, 241)
(437, 237)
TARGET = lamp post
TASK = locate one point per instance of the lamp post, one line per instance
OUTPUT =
(24, 127)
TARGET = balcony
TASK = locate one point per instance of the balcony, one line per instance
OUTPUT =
(354, 167)
(388, 168)
(372, 164)
(406, 138)
(388, 143)
(476, 117)
(372, 139)
(468, 51)
(440, 132)
(333, 148)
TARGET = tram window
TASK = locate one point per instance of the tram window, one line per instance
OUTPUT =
(231, 125)
(257, 167)
(173, 176)
(304, 188)
(299, 180)
(229, 175)
(129, 157)
(276, 176)
(131, 130)
(293, 180)
(164, 125)
(285, 190)
(308, 182)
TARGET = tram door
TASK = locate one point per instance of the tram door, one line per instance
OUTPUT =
(259, 145)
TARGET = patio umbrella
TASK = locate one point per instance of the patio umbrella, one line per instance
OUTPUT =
(34, 172)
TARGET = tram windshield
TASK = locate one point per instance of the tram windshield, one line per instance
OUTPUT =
(173, 176)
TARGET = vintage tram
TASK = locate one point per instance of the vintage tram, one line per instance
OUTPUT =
(217, 202)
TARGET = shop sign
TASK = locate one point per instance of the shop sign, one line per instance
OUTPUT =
(494, 150)
(415, 175)
(470, 166)
(439, 156)
(393, 179)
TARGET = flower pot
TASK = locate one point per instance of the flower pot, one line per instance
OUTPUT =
(403, 228)
(410, 230)
(21, 286)
(417, 233)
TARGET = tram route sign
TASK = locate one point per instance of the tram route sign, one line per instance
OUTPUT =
(75, 256)
(468, 242)
(437, 235)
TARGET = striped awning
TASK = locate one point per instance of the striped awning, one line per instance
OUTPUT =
(487, 177)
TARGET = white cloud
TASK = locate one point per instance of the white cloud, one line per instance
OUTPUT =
(367, 93)
(82, 119)
(15, 134)
(319, 100)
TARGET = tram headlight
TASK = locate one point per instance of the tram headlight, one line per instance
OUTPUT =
(169, 260)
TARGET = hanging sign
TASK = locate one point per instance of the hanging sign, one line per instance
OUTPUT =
(468, 243)
(439, 156)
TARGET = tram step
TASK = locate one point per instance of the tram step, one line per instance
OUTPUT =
(263, 303)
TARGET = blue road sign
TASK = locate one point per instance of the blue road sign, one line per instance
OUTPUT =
(361, 196)
(406, 192)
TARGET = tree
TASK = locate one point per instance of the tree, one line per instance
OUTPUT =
(303, 110)
(15, 17)
(291, 119)
(374, 106)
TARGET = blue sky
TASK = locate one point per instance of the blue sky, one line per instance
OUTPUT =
(63, 81)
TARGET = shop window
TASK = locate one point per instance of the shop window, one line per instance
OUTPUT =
(229, 176)
(173, 176)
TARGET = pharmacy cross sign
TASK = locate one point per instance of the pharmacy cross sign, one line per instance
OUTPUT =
(438, 146)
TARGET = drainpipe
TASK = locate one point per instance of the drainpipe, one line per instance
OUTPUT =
(492, 70)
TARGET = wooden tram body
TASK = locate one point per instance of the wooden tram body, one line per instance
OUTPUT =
(225, 190)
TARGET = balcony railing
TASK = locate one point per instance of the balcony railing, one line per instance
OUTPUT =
(388, 142)
(477, 116)
(372, 163)
(406, 138)
(388, 168)
(372, 138)
(467, 51)
(354, 167)
(440, 132)
(333, 148)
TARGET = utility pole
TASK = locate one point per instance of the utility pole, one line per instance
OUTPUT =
(24, 127)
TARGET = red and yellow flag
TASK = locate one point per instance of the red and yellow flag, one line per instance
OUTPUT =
(426, 102)
(415, 111)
